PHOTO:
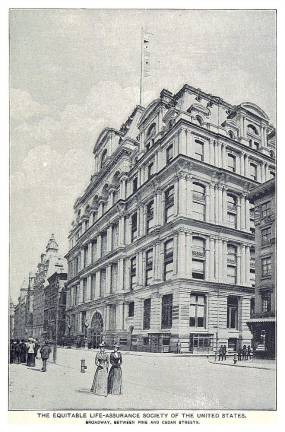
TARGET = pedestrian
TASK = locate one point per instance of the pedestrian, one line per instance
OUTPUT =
(178, 346)
(224, 352)
(115, 374)
(244, 352)
(37, 346)
(239, 354)
(45, 352)
(100, 381)
(249, 352)
(17, 352)
(221, 350)
(23, 351)
(12, 351)
(30, 352)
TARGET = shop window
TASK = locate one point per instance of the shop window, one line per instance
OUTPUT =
(197, 310)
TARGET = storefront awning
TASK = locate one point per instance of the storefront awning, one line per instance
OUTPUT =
(261, 320)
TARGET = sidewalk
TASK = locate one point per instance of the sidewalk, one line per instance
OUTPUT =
(256, 363)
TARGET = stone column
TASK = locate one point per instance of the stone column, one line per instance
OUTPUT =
(81, 291)
(247, 215)
(127, 274)
(181, 254)
(123, 187)
(99, 247)
(89, 255)
(176, 196)
(225, 210)
(189, 199)
(88, 288)
(82, 259)
(238, 265)
(238, 213)
(242, 265)
(158, 209)
(242, 211)
(97, 284)
(225, 260)
(108, 280)
(107, 323)
(109, 239)
(207, 205)
(212, 259)
(120, 316)
(182, 194)
(217, 204)
(242, 164)
(246, 165)
(183, 141)
(175, 253)
(120, 285)
(219, 260)
(139, 269)
(212, 203)
(247, 265)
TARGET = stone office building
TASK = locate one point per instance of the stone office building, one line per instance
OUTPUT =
(162, 242)
(262, 323)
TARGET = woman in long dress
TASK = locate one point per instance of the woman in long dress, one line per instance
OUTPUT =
(115, 374)
(100, 381)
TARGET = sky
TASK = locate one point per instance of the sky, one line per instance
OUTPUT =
(76, 71)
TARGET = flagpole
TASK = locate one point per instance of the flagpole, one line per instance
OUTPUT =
(141, 74)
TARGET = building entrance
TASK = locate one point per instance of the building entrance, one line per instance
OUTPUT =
(96, 330)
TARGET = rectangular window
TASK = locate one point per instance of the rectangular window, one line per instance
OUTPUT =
(231, 162)
(266, 301)
(265, 209)
(102, 282)
(198, 210)
(131, 309)
(94, 251)
(84, 290)
(135, 184)
(197, 310)
(133, 273)
(253, 171)
(198, 269)
(134, 226)
(266, 267)
(231, 274)
(169, 204)
(149, 216)
(114, 277)
(199, 150)
(265, 236)
(149, 267)
(115, 236)
(103, 243)
(146, 314)
(150, 170)
(168, 259)
(232, 312)
(166, 311)
(93, 286)
(169, 153)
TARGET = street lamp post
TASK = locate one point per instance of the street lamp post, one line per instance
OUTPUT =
(86, 325)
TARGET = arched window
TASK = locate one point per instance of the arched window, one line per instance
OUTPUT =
(199, 201)
(198, 258)
(231, 134)
(232, 210)
(103, 158)
(252, 129)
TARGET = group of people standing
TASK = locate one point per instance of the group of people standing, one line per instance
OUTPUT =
(107, 381)
(222, 353)
(245, 353)
(25, 352)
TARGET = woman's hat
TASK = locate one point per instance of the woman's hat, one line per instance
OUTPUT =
(102, 344)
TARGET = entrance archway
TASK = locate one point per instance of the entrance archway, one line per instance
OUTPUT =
(96, 330)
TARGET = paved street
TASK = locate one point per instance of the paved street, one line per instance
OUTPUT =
(149, 382)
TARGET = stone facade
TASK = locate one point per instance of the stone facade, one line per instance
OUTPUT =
(262, 323)
(54, 307)
(23, 314)
(163, 237)
(50, 261)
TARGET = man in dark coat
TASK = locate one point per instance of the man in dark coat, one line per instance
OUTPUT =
(12, 351)
(17, 351)
(239, 353)
(45, 352)
(224, 352)
(23, 351)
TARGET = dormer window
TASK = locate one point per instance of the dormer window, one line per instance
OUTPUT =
(151, 131)
(252, 130)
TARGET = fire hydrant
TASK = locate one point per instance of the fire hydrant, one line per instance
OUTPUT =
(235, 358)
(83, 366)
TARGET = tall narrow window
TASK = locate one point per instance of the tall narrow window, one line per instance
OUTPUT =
(93, 285)
(197, 310)
(135, 184)
(266, 209)
(133, 273)
(169, 204)
(232, 211)
(149, 267)
(168, 259)
(85, 256)
(150, 170)
(266, 267)
(131, 309)
(253, 171)
(134, 226)
(198, 258)
(114, 277)
(149, 216)
(94, 251)
(231, 264)
(166, 311)
(115, 235)
(199, 150)
(84, 290)
(232, 312)
(102, 282)
(169, 153)
(199, 201)
(103, 243)
(146, 314)
(266, 301)
(231, 162)
(103, 158)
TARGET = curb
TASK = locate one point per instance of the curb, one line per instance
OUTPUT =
(243, 366)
